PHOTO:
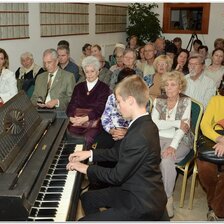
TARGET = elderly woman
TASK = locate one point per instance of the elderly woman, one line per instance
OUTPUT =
(119, 59)
(171, 113)
(129, 60)
(27, 73)
(90, 97)
(211, 177)
(8, 85)
(162, 64)
(216, 70)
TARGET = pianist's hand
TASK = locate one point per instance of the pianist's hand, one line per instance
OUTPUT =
(81, 167)
(79, 156)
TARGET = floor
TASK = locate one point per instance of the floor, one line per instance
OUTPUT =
(198, 212)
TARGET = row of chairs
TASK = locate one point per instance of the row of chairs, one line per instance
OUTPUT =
(188, 165)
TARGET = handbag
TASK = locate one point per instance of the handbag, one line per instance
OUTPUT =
(205, 150)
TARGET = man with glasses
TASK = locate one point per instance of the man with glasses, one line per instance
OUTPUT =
(199, 86)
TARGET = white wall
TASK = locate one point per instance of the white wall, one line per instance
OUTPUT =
(37, 45)
(216, 26)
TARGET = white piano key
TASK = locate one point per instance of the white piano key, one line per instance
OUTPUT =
(65, 201)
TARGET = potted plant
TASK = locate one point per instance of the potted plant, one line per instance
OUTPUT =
(143, 22)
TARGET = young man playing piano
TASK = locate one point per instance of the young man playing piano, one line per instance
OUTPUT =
(137, 193)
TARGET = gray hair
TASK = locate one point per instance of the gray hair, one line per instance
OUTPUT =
(197, 56)
(127, 50)
(91, 61)
(26, 55)
(52, 52)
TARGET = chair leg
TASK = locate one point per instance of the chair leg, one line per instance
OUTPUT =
(195, 171)
(183, 189)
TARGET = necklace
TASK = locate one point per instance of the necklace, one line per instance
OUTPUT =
(169, 112)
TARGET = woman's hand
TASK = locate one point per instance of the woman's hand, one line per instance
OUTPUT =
(78, 121)
(79, 156)
(81, 167)
(170, 151)
(219, 149)
(118, 133)
(184, 126)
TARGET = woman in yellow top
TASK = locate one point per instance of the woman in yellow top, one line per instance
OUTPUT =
(210, 176)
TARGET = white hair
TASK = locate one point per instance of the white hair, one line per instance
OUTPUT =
(91, 61)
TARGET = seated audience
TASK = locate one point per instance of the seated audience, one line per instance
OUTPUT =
(91, 94)
(199, 86)
(118, 55)
(86, 51)
(178, 42)
(147, 66)
(133, 43)
(203, 51)
(141, 56)
(53, 88)
(104, 75)
(196, 44)
(171, 113)
(118, 48)
(137, 193)
(180, 62)
(65, 43)
(219, 43)
(129, 61)
(65, 63)
(96, 51)
(8, 85)
(162, 64)
(27, 73)
(210, 175)
(160, 46)
(216, 70)
(170, 49)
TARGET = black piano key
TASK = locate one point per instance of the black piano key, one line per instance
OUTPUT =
(47, 212)
(60, 171)
(49, 204)
(40, 196)
(33, 212)
(54, 189)
(52, 197)
(57, 183)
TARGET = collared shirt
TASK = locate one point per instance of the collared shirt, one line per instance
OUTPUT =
(201, 89)
(90, 85)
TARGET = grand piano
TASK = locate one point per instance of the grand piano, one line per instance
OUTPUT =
(34, 182)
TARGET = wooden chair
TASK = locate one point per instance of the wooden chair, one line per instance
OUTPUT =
(190, 158)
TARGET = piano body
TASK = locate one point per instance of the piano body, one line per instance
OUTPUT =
(34, 182)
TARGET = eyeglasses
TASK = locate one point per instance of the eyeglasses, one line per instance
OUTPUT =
(194, 64)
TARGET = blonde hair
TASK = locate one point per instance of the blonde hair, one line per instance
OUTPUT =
(176, 76)
(165, 58)
(133, 86)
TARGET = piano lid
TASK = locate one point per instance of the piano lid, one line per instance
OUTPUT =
(18, 120)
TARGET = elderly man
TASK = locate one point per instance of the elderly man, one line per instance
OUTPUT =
(199, 86)
(53, 88)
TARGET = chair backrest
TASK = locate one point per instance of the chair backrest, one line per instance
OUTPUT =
(196, 116)
(150, 105)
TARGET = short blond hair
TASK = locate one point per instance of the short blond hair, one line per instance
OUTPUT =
(133, 86)
(165, 58)
(176, 76)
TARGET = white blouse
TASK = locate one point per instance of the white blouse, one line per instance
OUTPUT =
(8, 85)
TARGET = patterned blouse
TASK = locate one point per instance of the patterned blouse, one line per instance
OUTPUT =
(111, 118)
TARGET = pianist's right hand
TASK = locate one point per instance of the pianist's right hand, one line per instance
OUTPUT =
(79, 156)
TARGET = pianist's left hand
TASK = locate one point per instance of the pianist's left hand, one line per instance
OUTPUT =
(81, 167)
(79, 156)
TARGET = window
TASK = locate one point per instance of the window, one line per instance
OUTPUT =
(186, 17)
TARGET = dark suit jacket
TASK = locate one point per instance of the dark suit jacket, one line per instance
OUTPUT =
(137, 170)
(62, 88)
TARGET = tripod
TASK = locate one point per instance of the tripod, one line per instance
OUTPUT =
(190, 43)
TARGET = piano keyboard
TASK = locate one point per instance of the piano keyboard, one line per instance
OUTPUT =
(54, 198)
